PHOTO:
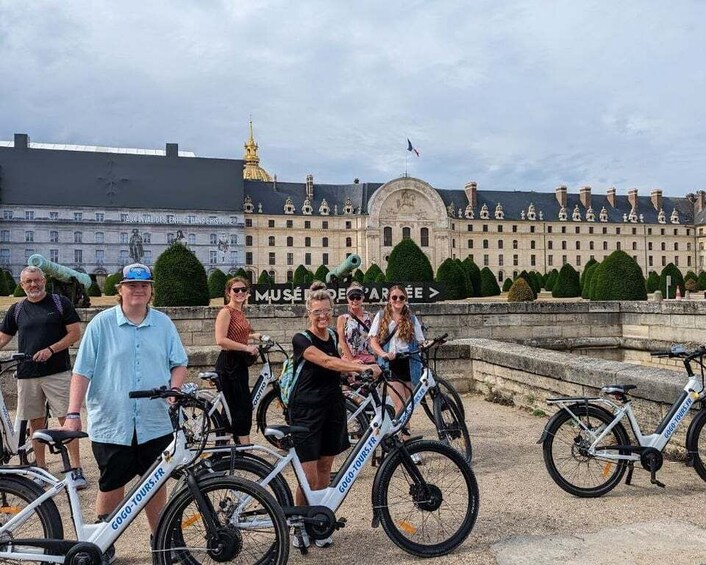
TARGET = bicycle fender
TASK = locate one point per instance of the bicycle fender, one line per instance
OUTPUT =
(571, 407)
(691, 446)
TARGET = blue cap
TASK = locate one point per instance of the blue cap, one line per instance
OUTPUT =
(137, 272)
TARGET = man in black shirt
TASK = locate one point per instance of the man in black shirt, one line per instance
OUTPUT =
(47, 326)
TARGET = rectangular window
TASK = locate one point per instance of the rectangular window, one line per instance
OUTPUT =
(4, 256)
(248, 257)
(248, 223)
(53, 237)
(124, 257)
(578, 229)
(5, 236)
(307, 258)
(212, 257)
(124, 239)
(78, 237)
(307, 224)
(470, 244)
(533, 260)
(578, 260)
(100, 256)
(28, 253)
(515, 260)
(78, 256)
(500, 229)
(470, 227)
(290, 224)
(500, 260)
(78, 216)
(550, 260)
(485, 227)
(29, 214)
(514, 229)
(272, 258)
(100, 217)
(290, 258)
(533, 244)
(53, 215)
(54, 255)
(617, 231)
(324, 259)
(212, 239)
(348, 224)
(486, 260)
(7, 214)
(531, 229)
(270, 223)
(29, 236)
(650, 261)
(147, 258)
(590, 230)
(324, 225)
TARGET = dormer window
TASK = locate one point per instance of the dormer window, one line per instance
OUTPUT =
(306, 208)
(469, 212)
(348, 206)
(590, 216)
(289, 206)
(632, 218)
(576, 215)
(661, 218)
(451, 210)
(248, 207)
(603, 216)
(484, 212)
(531, 215)
(324, 209)
(562, 214)
(499, 214)
(674, 218)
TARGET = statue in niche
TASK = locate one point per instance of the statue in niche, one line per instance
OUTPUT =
(137, 251)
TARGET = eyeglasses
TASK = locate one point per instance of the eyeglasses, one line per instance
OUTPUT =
(321, 313)
(239, 290)
(398, 297)
(355, 297)
(32, 281)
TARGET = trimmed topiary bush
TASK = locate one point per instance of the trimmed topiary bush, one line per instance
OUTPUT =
(618, 277)
(380, 278)
(19, 291)
(520, 291)
(488, 283)
(408, 263)
(454, 278)
(110, 282)
(702, 280)
(217, 283)
(359, 276)
(691, 285)
(677, 280)
(265, 278)
(4, 289)
(320, 274)
(372, 273)
(242, 273)
(551, 280)
(690, 275)
(179, 278)
(586, 284)
(586, 267)
(301, 275)
(468, 285)
(473, 272)
(652, 283)
(567, 284)
(94, 289)
(9, 281)
(537, 282)
(530, 281)
(507, 284)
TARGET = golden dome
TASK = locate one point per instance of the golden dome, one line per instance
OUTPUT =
(252, 169)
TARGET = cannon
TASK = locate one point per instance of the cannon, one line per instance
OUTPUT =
(64, 280)
(344, 269)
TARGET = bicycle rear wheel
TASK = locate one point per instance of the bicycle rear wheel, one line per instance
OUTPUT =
(271, 412)
(250, 526)
(566, 451)
(16, 493)
(431, 517)
(450, 426)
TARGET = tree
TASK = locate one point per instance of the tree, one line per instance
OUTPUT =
(673, 271)
(359, 276)
(468, 285)
(618, 277)
(372, 273)
(702, 280)
(652, 283)
(19, 291)
(94, 289)
(488, 283)
(587, 276)
(567, 284)
(321, 272)
(217, 283)
(586, 267)
(408, 263)
(179, 278)
(380, 278)
(690, 275)
(520, 291)
(301, 274)
(507, 284)
(551, 279)
(692, 285)
(4, 289)
(537, 282)
(242, 273)
(530, 282)
(110, 282)
(454, 278)
(473, 272)
(265, 278)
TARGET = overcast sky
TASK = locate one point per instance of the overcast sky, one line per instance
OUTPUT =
(516, 95)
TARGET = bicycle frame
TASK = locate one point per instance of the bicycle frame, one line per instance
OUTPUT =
(692, 393)
(12, 434)
(102, 534)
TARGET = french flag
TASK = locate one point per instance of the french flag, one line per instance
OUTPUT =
(410, 147)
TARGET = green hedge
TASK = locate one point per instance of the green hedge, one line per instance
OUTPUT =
(618, 277)
(507, 285)
(179, 278)
(588, 274)
(652, 282)
(454, 278)
(488, 283)
(217, 283)
(408, 263)
(473, 272)
(677, 280)
(567, 283)
(520, 291)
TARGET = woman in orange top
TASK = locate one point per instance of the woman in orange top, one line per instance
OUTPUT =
(233, 333)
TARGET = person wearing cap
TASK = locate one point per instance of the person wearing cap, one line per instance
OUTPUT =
(353, 327)
(128, 347)
(46, 326)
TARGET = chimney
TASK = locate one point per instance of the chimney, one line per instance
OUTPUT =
(310, 187)
(700, 203)
(585, 196)
(21, 141)
(172, 150)
(610, 194)
(471, 190)
(561, 195)
(632, 198)
(656, 198)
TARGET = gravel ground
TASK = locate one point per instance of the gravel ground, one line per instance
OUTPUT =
(524, 517)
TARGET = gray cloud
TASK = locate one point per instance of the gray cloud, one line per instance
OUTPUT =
(515, 95)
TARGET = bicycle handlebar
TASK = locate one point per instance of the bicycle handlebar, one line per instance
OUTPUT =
(16, 358)
(423, 347)
(187, 390)
(681, 352)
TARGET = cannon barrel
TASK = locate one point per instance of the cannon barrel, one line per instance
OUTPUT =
(58, 271)
(347, 266)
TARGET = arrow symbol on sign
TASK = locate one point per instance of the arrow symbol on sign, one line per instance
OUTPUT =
(433, 292)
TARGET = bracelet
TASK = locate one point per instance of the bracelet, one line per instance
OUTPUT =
(73, 416)
(50, 349)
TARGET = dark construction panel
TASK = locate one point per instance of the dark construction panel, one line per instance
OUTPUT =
(73, 178)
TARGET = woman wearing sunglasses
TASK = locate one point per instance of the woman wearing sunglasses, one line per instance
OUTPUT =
(353, 327)
(396, 330)
(233, 333)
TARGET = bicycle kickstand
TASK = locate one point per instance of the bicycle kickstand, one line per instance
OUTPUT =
(631, 468)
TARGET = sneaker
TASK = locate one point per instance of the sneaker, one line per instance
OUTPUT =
(82, 484)
(300, 539)
(326, 542)
(108, 556)
(416, 458)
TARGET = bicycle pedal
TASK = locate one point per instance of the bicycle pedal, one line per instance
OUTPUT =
(340, 523)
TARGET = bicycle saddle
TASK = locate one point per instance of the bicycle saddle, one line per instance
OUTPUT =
(618, 389)
(57, 436)
(279, 432)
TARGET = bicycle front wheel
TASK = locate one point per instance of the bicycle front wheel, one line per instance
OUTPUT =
(566, 454)
(450, 426)
(16, 493)
(249, 525)
(432, 516)
(450, 390)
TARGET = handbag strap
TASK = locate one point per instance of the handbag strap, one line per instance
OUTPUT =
(360, 322)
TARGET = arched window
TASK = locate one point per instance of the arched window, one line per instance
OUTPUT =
(324, 242)
(424, 237)
(290, 276)
(271, 240)
(387, 236)
(406, 233)
(290, 241)
(307, 242)
(349, 242)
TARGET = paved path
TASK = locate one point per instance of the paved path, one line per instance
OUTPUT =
(524, 517)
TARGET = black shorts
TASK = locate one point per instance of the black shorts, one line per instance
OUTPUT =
(400, 370)
(328, 429)
(119, 464)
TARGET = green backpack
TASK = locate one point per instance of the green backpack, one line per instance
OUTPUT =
(291, 370)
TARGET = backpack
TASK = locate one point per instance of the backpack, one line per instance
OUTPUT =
(57, 302)
(291, 370)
